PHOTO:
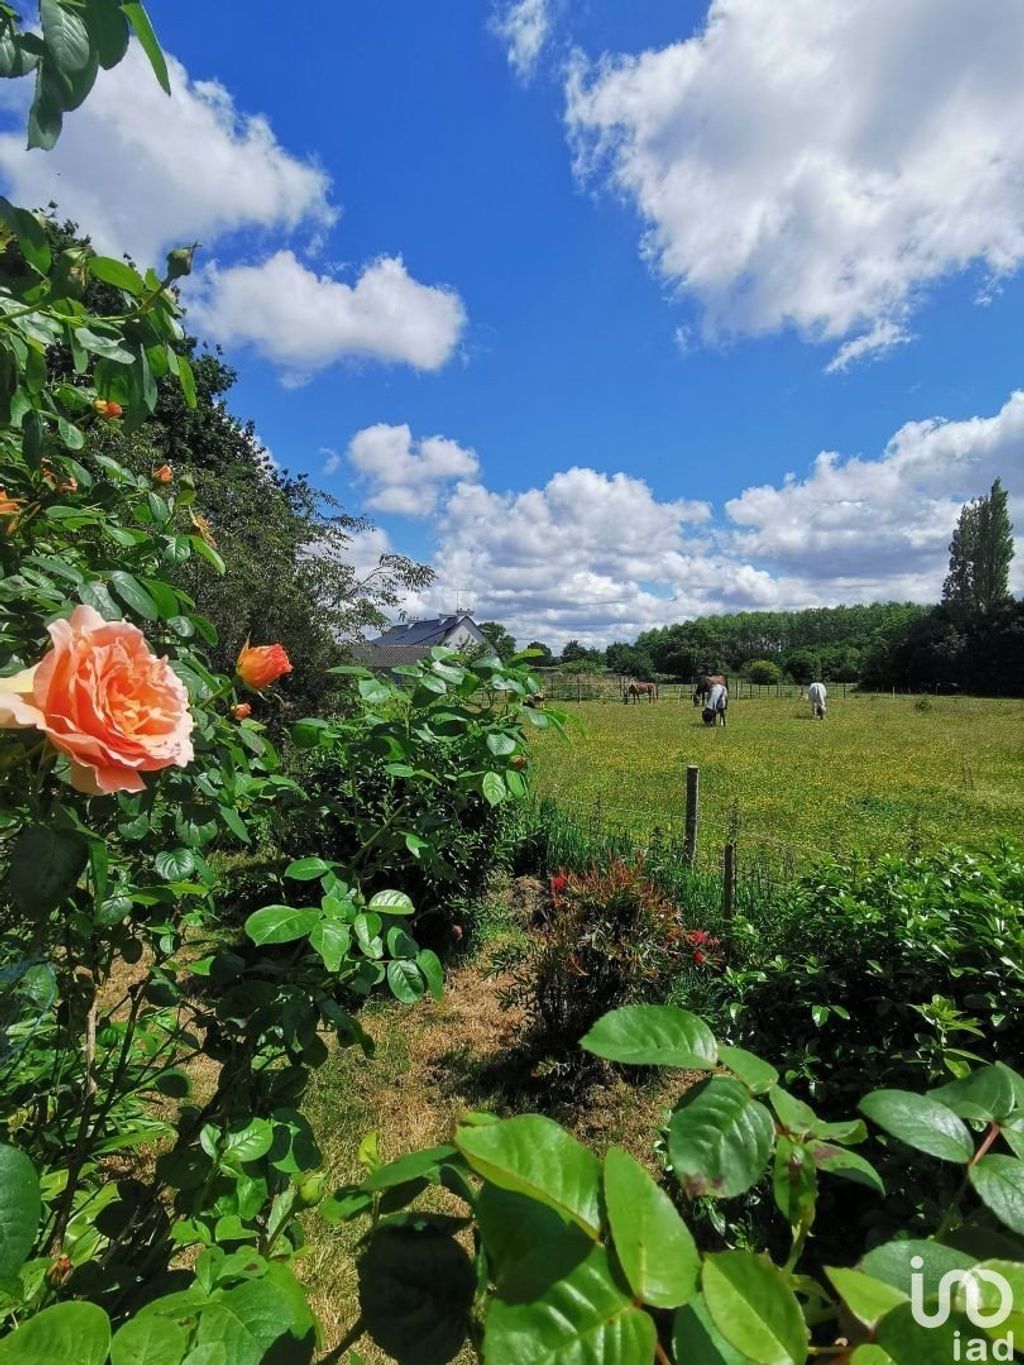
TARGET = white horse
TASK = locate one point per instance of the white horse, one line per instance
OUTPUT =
(816, 696)
(716, 704)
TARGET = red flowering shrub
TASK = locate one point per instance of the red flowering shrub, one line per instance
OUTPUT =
(607, 937)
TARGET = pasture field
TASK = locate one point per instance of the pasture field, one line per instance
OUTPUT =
(879, 774)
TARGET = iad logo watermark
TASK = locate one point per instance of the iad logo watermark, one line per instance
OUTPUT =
(980, 1315)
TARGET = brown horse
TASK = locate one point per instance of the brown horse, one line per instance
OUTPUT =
(704, 684)
(636, 690)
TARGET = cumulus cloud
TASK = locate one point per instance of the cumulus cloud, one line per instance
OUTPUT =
(817, 164)
(170, 170)
(304, 321)
(886, 520)
(524, 26)
(403, 476)
(600, 557)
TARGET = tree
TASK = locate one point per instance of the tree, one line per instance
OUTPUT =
(501, 640)
(980, 554)
(763, 671)
(545, 656)
(804, 665)
(631, 659)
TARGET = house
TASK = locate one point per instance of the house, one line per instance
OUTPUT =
(412, 641)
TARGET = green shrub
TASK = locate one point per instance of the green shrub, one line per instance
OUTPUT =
(883, 972)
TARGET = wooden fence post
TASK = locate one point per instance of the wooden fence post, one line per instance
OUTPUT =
(729, 884)
(692, 813)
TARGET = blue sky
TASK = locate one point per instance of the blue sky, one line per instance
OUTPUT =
(623, 279)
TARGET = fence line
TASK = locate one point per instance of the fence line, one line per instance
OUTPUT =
(582, 687)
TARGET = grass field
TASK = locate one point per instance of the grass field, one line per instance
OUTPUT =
(880, 773)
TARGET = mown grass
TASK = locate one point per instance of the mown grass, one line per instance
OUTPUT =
(879, 774)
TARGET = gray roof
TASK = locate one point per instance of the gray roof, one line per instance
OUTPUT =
(421, 632)
(373, 655)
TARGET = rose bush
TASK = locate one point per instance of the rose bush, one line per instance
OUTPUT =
(154, 1157)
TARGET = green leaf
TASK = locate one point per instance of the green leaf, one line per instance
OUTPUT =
(307, 869)
(246, 1321)
(794, 1181)
(416, 1289)
(920, 1122)
(868, 1299)
(374, 691)
(533, 1155)
(235, 823)
(986, 1095)
(118, 273)
(248, 1143)
(850, 1165)
(583, 1318)
(109, 33)
(406, 981)
(754, 1308)
(151, 1340)
(500, 745)
(430, 965)
(106, 346)
(45, 865)
(78, 1332)
(66, 37)
(999, 1184)
(95, 594)
(493, 788)
(143, 29)
(280, 924)
(697, 1341)
(653, 1035)
(757, 1075)
(134, 595)
(187, 381)
(906, 1342)
(425, 1165)
(392, 903)
(893, 1263)
(175, 865)
(719, 1138)
(331, 940)
(653, 1244)
(20, 1208)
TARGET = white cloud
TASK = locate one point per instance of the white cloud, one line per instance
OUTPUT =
(405, 477)
(817, 164)
(140, 172)
(889, 520)
(600, 557)
(304, 322)
(333, 461)
(525, 26)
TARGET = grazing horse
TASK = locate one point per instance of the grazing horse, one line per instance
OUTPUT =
(816, 696)
(636, 690)
(704, 684)
(716, 705)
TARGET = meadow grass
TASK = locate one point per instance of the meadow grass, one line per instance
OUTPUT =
(879, 774)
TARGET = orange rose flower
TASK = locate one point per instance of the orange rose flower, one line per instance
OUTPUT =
(10, 508)
(242, 711)
(260, 665)
(108, 410)
(164, 474)
(106, 701)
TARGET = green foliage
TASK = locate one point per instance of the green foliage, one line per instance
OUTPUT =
(154, 1053)
(980, 555)
(763, 671)
(883, 973)
(587, 1259)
